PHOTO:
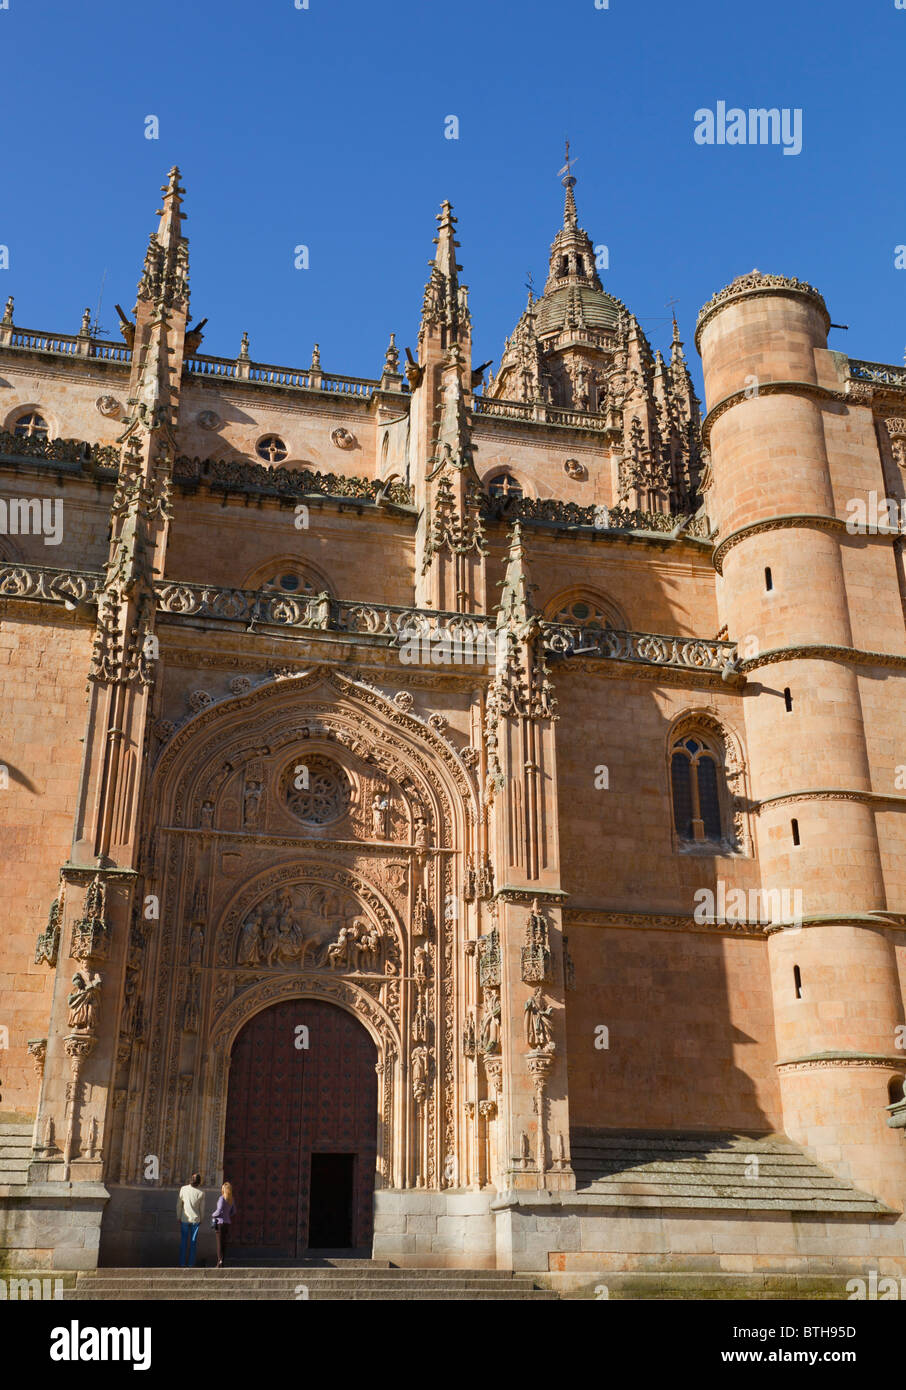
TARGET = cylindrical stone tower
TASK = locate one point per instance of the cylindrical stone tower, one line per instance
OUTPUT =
(783, 595)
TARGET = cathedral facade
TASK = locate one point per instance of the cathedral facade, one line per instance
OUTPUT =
(463, 812)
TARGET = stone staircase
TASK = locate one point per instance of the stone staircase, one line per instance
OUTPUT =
(15, 1155)
(331, 1280)
(717, 1171)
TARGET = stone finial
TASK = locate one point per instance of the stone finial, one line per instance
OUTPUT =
(244, 348)
(315, 359)
(8, 311)
(392, 358)
(85, 330)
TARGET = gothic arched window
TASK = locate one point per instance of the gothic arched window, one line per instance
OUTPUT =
(696, 778)
(587, 613)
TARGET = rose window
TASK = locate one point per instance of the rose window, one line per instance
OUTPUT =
(317, 790)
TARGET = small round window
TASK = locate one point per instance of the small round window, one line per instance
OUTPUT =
(505, 485)
(31, 426)
(317, 790)
(271, 448)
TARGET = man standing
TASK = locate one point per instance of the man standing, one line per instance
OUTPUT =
(189, 1212)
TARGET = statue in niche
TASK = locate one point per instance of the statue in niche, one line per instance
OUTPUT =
(420, 824)
(83, 1002)
(207, 815)
(196, 943)
(379, 808)
(419, 1073)
(420, 966)
(250, 941)
(130, 996)
(490, 1024)
(251, 802)
(539, 1032)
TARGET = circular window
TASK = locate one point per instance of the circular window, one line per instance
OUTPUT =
(31, 426)
(505, 485)
(271, 448)
(317, 790)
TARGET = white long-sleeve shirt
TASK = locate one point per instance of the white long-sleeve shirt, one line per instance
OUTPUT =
(190, 1204)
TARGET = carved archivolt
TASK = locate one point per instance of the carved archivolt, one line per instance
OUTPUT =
(397, 740)
(258, 906)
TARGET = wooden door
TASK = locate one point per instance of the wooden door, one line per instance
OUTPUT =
(286, 1103)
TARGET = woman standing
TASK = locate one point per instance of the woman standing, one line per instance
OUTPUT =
(224, 1212)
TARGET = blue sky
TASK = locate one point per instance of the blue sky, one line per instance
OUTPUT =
(325, 127)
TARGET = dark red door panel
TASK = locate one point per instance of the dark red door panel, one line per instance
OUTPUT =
(285, 1103)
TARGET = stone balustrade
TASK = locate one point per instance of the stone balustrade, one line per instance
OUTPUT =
(423, 636)
(881, 373)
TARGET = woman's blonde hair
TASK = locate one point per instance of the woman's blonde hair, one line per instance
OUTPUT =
(227, 1191)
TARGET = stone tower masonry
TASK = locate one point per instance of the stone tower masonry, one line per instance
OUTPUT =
(780, 474)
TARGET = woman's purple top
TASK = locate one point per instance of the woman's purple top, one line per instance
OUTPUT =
(224, 1212)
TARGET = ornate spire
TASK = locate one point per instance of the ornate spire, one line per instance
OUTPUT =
(165, 276)
(570, 216)
(445, 306)
(392, 358)
(516, 605)
(572, 259)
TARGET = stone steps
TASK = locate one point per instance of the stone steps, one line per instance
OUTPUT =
(635, 1168)
(323, 1283)
(677, 1286)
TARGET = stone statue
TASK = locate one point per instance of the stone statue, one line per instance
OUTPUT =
(490, 1023)
(84, 1005)
(250, 942)
(317, 611)
(338, 953)
(366, 945)
(419, 1073)
(251, 801)
(196, 943)
(130, 997)
(379, 805)
(207, 815)
(537, 1022)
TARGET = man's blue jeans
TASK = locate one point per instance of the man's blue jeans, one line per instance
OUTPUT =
(189, 1241)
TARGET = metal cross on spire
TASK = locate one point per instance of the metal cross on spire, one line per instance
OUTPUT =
(566, 173)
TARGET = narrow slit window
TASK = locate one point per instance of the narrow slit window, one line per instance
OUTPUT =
(787, 698)
(797, 981)
(768, 578)
(794, 826)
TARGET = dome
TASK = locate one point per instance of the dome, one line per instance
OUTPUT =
(589, 307)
